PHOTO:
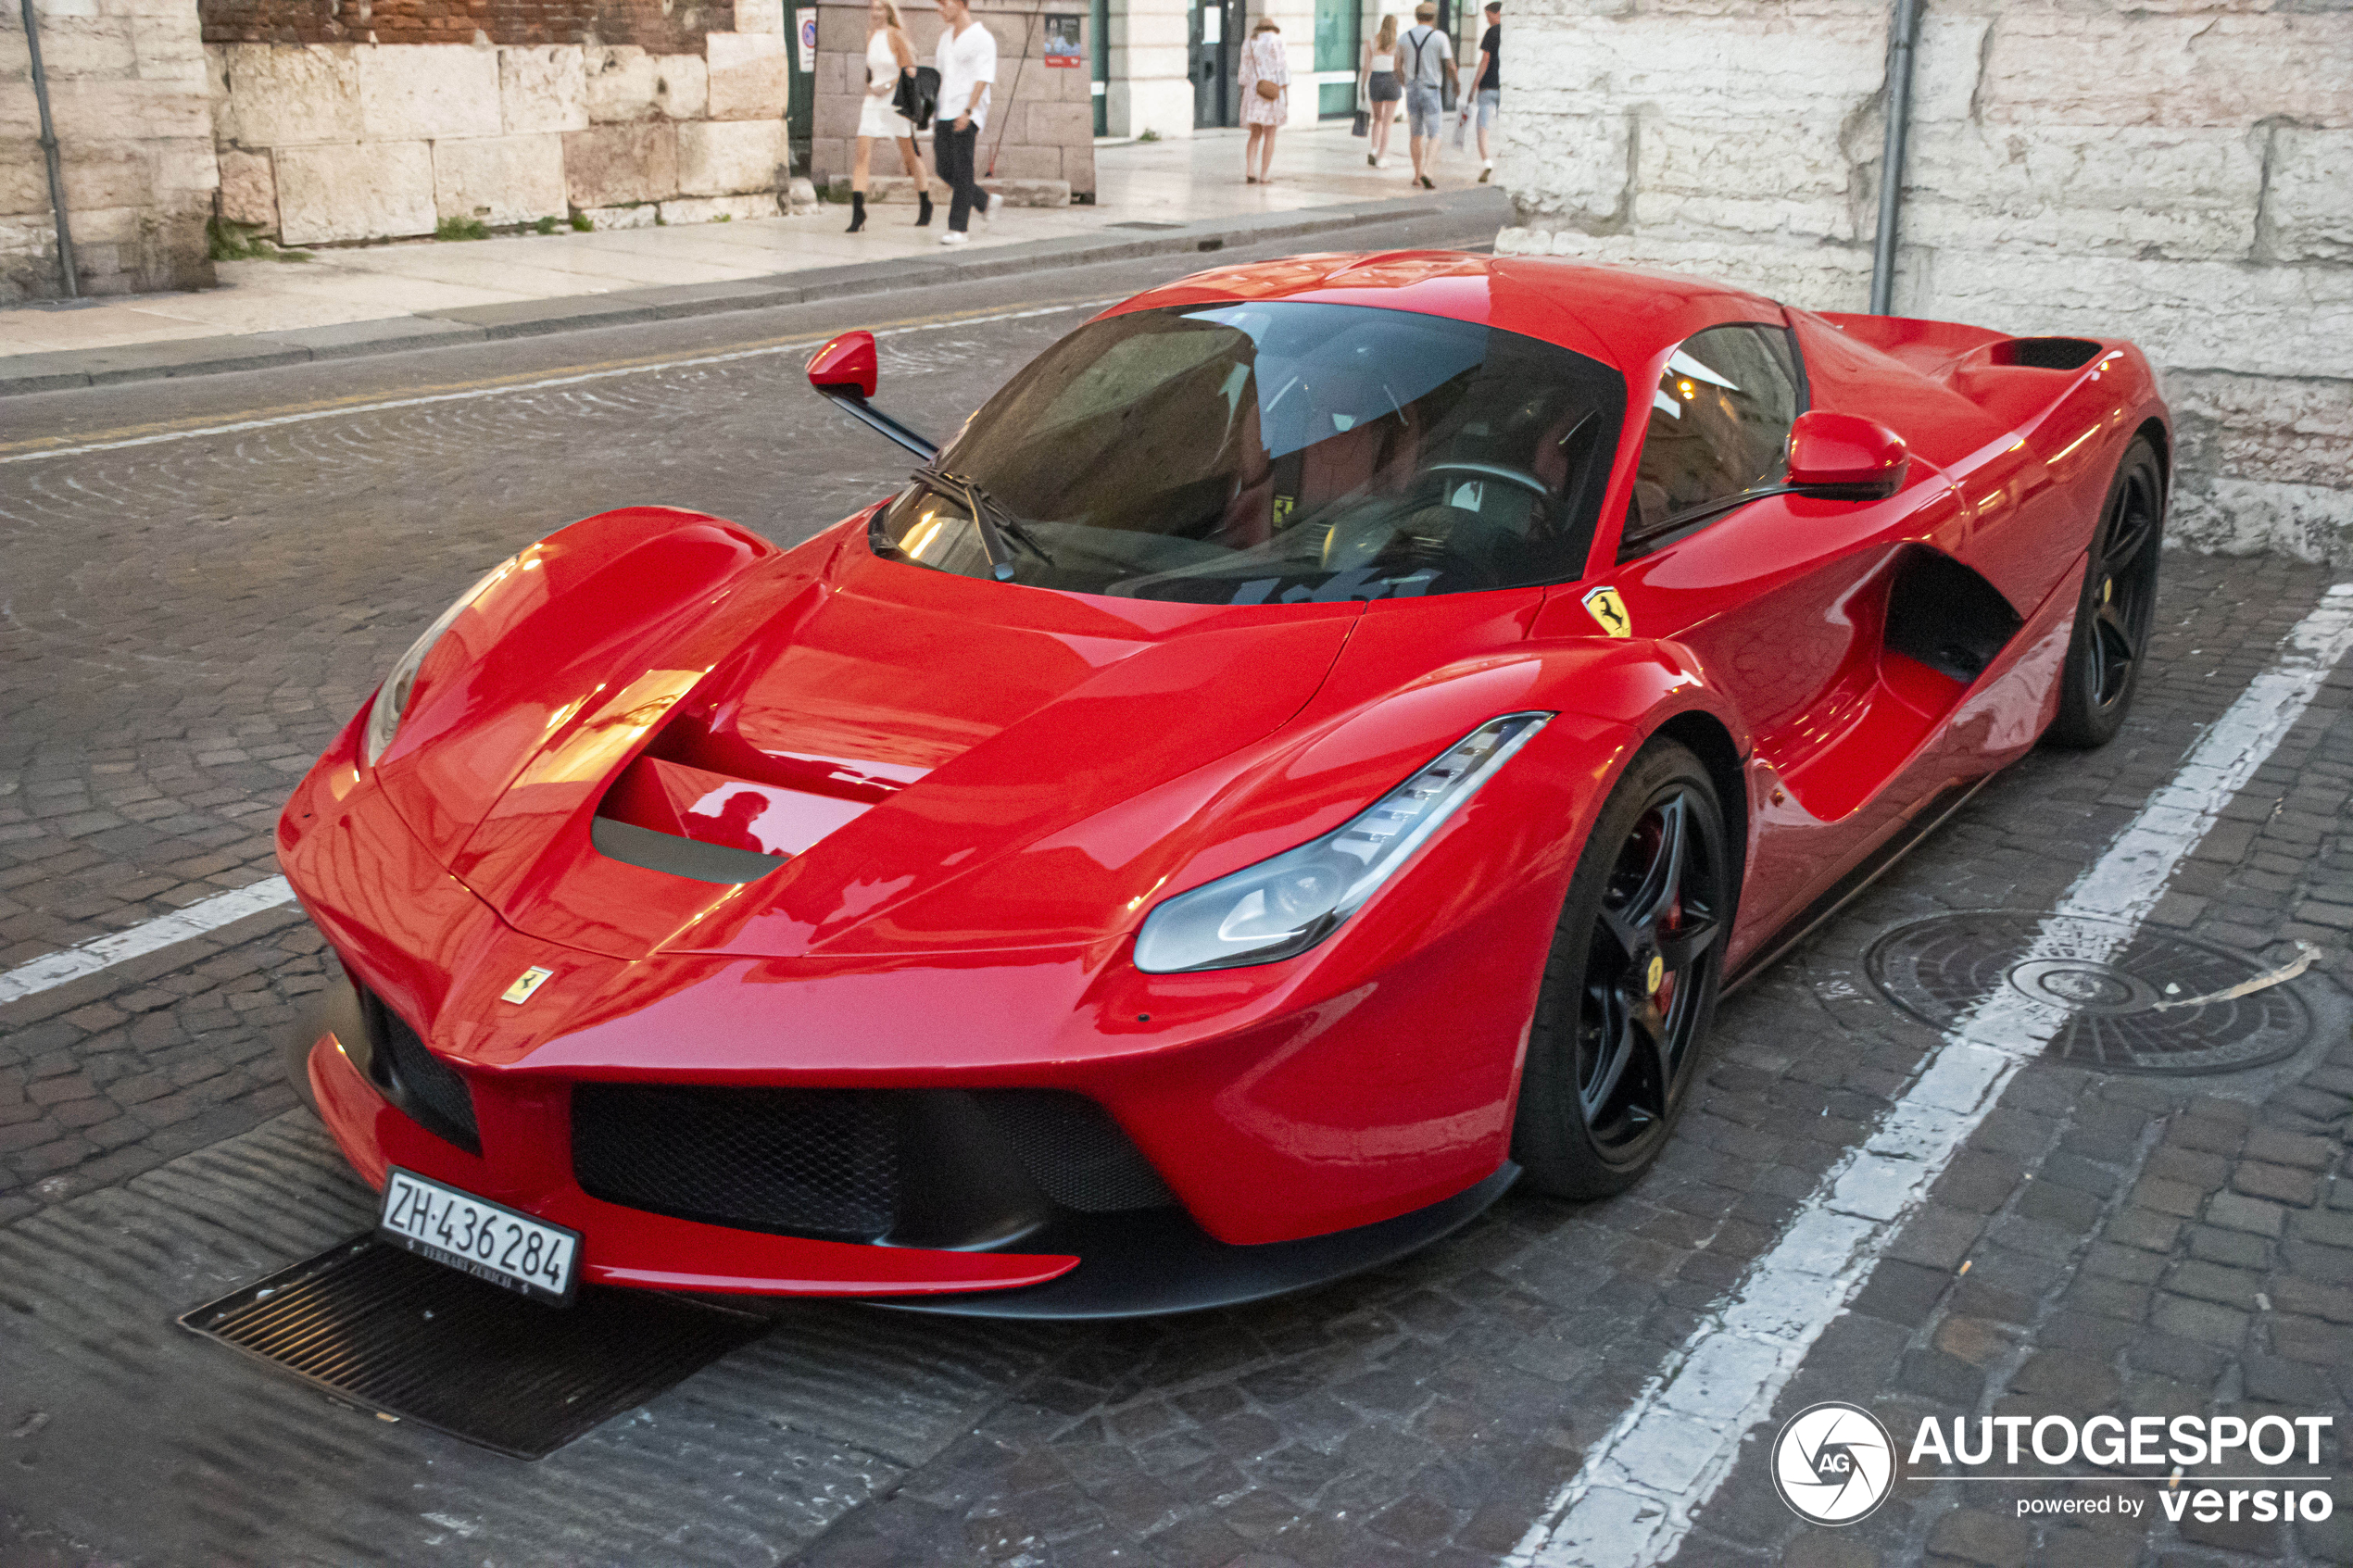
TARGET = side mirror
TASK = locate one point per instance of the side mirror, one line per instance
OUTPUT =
(845, 371)
(1845, 456)
(847, 364)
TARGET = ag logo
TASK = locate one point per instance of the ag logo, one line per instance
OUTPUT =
(1834, 1463)
(1608, 612)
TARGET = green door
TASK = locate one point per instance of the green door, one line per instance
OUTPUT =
(801, 100)
(1339, 28)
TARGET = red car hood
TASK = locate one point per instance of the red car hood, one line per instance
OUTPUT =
(910, 726)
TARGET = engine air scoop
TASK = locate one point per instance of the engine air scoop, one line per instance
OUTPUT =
(756, 820)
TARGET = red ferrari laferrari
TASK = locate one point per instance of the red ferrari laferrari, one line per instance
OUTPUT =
(1309, 751)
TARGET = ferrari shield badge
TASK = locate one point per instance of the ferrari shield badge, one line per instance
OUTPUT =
(1609, 612)
(528, 981)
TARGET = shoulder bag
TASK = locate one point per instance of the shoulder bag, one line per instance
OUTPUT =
(916, 96)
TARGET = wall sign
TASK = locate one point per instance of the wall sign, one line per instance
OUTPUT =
(804, 27)
(1062, 44)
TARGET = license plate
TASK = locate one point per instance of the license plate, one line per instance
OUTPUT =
(485, 1239)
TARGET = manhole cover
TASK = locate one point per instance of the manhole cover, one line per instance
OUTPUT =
(2114, 992)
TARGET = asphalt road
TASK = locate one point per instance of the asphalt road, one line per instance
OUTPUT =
(202, 580)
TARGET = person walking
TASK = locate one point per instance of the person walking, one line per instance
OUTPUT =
(1376, 85)
(1429, 55)
(1487, 86)
(888, 57)
(966, 61)
(1266, 79)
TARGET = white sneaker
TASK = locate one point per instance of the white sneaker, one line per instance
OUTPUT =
(988, 213)
(953, 237)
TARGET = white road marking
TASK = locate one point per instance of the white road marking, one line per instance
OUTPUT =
(1634, 1499)
(472, 394)
(104, 952)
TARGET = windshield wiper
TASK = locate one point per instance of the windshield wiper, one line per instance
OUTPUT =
(990, 520)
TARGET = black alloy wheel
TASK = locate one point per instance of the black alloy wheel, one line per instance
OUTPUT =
(2119, 603)
(1631, 984)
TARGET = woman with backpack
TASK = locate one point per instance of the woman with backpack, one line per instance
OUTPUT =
(1266, 79)
(890, 57)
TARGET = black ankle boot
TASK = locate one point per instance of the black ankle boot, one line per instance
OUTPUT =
(857, 210)
(923, 210)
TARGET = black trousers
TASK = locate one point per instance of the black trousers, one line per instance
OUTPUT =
(954, 150)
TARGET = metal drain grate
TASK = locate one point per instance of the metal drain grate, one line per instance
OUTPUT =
(2114, 991)
(389, 1330)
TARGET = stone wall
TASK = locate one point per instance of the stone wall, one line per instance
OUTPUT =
(1041, 119)
(2180, 173)
(321, 143)
(127, 94)
(645, 24)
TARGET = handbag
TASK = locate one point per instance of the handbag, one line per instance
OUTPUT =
(1269, 90)
(1364, 126)
(916, 96)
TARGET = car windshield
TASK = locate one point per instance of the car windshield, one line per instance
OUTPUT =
(1274, 453)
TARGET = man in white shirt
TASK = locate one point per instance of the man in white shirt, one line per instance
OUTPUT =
(966, 61)
(1425, 58)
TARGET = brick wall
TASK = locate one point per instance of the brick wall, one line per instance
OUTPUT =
(647, 24)
(127, 94)
(2176, 174)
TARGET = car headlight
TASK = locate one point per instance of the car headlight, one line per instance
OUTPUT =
(391, 698)
(1280, 907)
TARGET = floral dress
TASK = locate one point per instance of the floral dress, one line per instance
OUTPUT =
(1262, 59)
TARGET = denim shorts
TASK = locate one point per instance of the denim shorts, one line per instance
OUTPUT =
(1487, 97)
(1423, 110)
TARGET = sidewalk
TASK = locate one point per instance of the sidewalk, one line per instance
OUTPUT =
(1152, 196)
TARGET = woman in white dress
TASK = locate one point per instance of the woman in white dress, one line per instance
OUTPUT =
(888, 57)
(1265, 98)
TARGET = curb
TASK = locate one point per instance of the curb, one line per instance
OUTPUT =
(24, 373)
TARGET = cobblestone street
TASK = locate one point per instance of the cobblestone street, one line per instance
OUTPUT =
(188, 618)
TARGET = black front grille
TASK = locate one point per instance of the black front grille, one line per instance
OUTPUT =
(428, 1088)
(1073, 1150)
(802, 1162)
(920, 1167)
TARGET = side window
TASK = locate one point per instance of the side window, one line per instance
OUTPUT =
(1718, 425)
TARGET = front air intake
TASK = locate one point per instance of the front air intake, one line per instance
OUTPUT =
(817, 1162)
(916, 1167)
(427, 1088)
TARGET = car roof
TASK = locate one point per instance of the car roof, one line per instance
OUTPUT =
(1625, 316)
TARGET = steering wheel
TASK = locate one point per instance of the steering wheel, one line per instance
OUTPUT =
(1509, 475)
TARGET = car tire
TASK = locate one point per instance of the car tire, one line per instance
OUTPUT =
(2118, 603)
(1631, 982)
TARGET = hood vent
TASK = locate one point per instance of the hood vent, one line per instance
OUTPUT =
(692, 822)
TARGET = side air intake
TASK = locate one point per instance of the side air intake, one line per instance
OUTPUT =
(2045, 353)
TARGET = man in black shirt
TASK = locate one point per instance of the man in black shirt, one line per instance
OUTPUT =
(1488, 90)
